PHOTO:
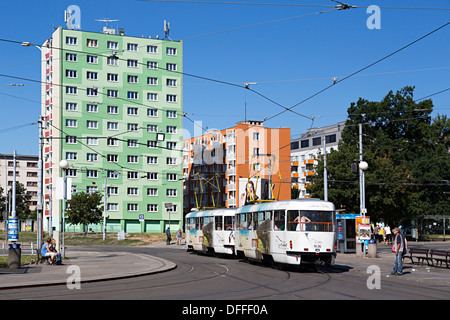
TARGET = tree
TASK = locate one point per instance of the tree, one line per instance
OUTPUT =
(85, 208)
(408, 160)
(23, 211)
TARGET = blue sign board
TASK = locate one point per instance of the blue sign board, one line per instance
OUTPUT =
(13, 229)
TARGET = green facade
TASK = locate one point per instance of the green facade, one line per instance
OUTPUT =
(114, 137)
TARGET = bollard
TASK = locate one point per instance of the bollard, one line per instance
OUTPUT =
(14, 256)
(372, 250)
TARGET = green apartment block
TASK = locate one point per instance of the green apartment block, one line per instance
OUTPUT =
(112, 106)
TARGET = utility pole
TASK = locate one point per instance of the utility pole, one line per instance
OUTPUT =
(325, 178)
(39, 201)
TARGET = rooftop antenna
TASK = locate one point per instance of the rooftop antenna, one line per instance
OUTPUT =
(105, 28)
(166, 30)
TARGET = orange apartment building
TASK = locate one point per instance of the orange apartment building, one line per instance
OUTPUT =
(234, 166)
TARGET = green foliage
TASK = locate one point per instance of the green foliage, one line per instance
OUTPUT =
(85, 208)
(407, 153)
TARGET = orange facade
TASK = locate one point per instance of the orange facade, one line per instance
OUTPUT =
(235, 166)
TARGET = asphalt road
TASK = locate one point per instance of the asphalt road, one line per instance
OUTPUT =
(199, 277)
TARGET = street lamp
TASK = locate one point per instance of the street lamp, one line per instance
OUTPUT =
(63, 164)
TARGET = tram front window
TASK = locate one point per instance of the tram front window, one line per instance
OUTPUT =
(310, 220)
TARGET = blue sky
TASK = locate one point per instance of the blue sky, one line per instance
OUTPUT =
(290, 59)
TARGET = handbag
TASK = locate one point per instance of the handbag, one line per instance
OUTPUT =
(394, 249)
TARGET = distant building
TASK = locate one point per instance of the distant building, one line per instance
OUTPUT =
(112, 107)
(26, 174)
(234, 166)
(306, 148)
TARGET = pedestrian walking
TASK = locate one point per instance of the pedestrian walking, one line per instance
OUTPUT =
(387, 232)
(179, 237)
(397, 247)
(168, 236)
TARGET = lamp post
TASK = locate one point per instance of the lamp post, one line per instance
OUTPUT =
(63, 164)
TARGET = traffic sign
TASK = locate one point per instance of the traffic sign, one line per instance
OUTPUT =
(141, 217)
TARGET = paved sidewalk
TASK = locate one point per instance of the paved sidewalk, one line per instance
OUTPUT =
(385, 261)
(93, 266)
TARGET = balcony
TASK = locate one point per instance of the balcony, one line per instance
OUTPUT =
(308, 173)
(308, 161)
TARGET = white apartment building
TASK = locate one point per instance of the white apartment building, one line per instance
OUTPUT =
(26, 174)
(305, 150)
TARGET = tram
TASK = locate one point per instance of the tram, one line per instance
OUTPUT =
(211, 231)
(294, 232)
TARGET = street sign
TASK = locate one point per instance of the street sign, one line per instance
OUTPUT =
(13, 229)
(141, 217)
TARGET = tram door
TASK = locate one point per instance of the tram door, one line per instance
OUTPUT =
(346, 232)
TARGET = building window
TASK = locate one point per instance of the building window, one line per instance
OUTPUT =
(316, 141)
(152, 96)
(71, 156)
(132, 47)
(91, 157)
(71, 74)
(132, 95)
(152, 208)
(92, 59)
(112, 174)
(171, 114)
(92, 43)
(132, 175)
(112, 191)
(113, 77)
(132, 111)
(153, 65)
(152, 81)
(171, 51)
(171, 98)
(113, 45)
(132, 143)
(90, 124)
(152, 160)
(132, 63)
(113, 61)
(71, 90)
(71, 57)
(152, 49)
(171, 177)
(171, 129)
(152, 192)
(91, 173)
(112, 142)
(171, 82)
(92, 92)
(171, 67)
(113, 93)
(113, 207)
(152, 128)
(112, 109)
(132, 207)
(171, 161)
(132, 191)
(133, 127)
(152, 112)
(92, 141)
(72, 41)
(171, 192)
(152, 176)
(331, 138)
(152, 144)
(71, 123)
(132, 79)
(112, 158)
(92, 108)
(133, 159)
(304, 143)
(71, 106)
